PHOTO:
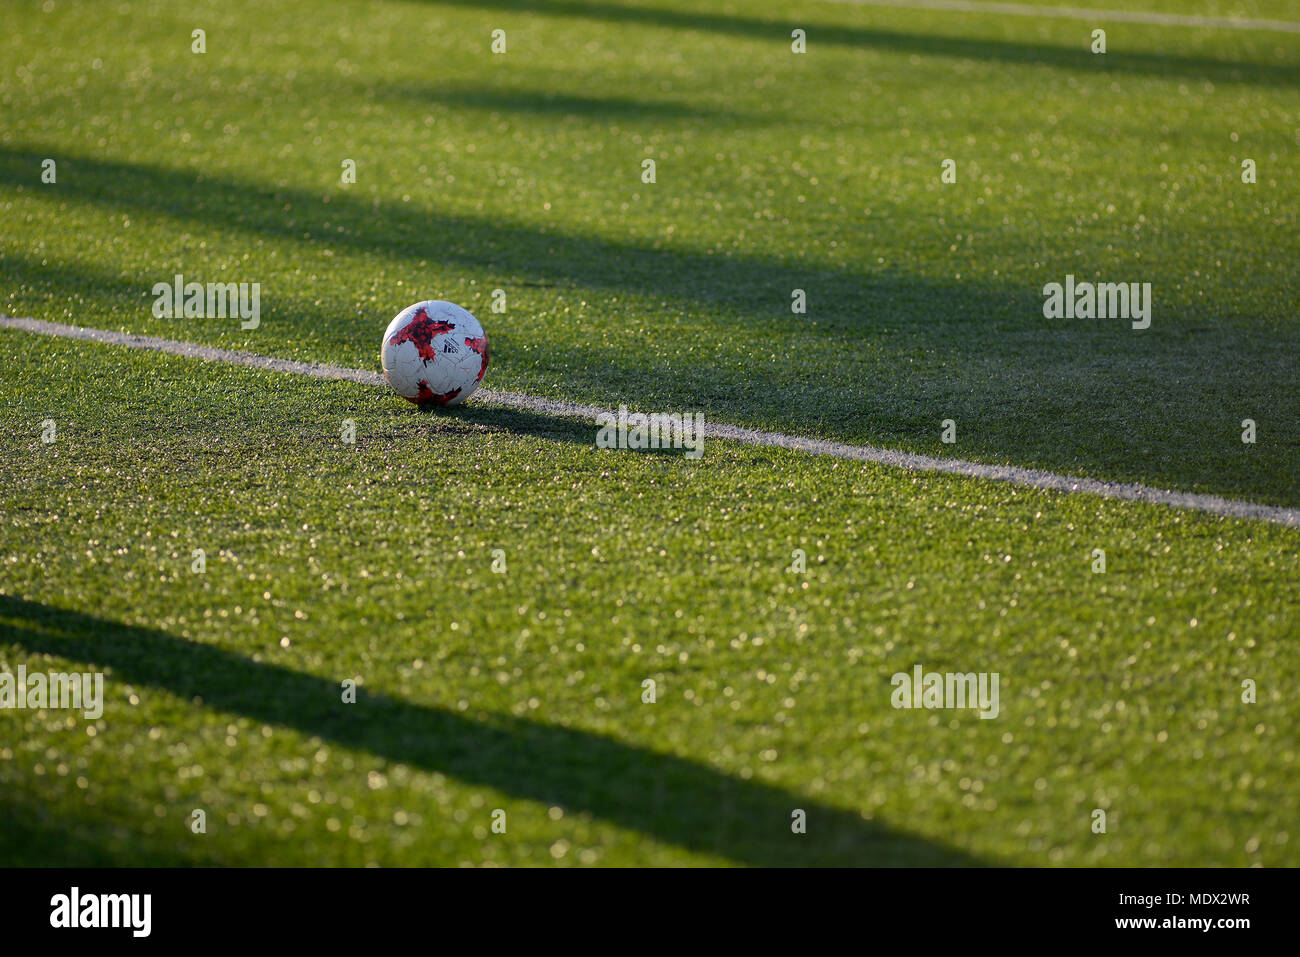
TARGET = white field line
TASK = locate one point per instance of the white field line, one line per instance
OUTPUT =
(1032, 478)
(1098, 17)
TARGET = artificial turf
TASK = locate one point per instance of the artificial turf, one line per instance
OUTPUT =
(522, 691)
(775, 172)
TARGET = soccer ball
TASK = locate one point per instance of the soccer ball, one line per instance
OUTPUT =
(434, 353)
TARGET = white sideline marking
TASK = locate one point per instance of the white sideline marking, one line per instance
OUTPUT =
(1033, 478)
(1081, 13)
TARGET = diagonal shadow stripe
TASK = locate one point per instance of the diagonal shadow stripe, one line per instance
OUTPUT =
(1092, 14)
(553, 103)
(1080, 58)
(671, 799)
(418, 234)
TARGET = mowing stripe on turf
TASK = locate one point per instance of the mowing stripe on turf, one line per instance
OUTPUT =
(1082, 13)
(1033, 478)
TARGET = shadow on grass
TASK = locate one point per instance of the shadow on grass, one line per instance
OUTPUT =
(417, 233)
(100, 839)
(504, 419)
(1080, 58)
(670, 799)
(602, 109)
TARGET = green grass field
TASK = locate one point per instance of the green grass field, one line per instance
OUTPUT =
(523, 691)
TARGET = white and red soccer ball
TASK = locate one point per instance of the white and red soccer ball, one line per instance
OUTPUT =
(434, 353)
